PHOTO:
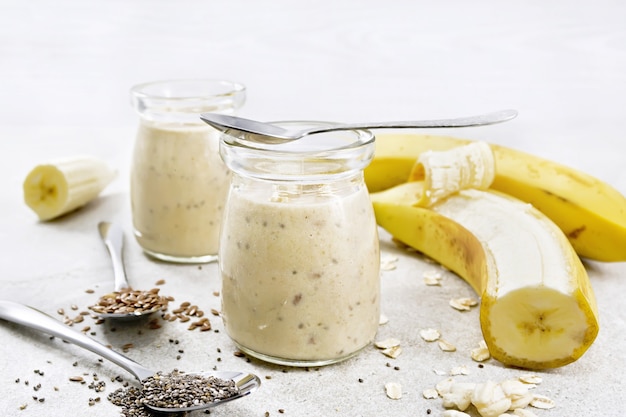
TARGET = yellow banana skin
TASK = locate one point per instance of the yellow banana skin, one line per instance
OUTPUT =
(590, 212)
(524, 312)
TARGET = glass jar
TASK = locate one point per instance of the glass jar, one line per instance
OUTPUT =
(178, 181)
(299, 250)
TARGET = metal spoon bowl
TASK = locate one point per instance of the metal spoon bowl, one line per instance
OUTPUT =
(35, 319)
(113, 238)
(267, 133)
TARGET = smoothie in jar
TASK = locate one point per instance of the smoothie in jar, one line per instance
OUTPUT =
(178, 181)
(299, 255)
(178, 190)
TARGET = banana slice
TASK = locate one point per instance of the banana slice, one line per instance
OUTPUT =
(59, 187)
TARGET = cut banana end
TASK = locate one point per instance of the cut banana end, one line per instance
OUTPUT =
(446, 172)
(538, 327)
(61, 186)
(537, 305)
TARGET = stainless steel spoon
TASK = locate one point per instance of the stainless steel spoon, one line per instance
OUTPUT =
(260, 132)
(113, 238)
(35, 319)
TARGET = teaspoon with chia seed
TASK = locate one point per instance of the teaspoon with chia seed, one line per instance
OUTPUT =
(124, 303)
(244, 383)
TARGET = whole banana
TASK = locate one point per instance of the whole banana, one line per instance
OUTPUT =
(590, 212)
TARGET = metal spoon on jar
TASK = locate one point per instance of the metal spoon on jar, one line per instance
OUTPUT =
(123, 303)
(260, 132)
(246, 383)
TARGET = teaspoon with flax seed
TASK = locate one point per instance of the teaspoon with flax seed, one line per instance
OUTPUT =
(124, 303)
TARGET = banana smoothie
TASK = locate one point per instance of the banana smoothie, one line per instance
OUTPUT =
(300, 272)
(179, 183)
(178, 190)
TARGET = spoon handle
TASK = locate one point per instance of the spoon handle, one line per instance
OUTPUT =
(38, 320)
(113, 237)
(469, 121)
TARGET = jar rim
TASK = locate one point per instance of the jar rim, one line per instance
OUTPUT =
(181, 101)
(292, 161)
(212, 87)
(362, 137)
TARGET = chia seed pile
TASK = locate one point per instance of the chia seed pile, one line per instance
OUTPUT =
(172, 390)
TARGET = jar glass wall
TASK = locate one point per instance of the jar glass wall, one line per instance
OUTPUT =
(178, 181)
(299, 255)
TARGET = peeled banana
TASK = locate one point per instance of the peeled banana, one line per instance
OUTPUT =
(59, 187)
(537, 306)
(591, 213)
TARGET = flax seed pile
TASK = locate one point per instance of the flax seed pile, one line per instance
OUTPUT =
(131, 301)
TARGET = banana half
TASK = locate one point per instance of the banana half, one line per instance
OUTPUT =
(537, 308)
(59, 187)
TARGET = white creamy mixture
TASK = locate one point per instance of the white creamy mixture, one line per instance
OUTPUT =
(300, 279)
(178, 190)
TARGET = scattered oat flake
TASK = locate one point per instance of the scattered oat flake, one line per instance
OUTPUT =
(463, 303)
(430, 394)
(459, 370)
(439, 372)
(444, 386)
(432, 278)
(521, 412)
(383, 319)
(446, 346)
(430, 335)
(480, 353)
(392, 352)
(160, 282)
(531, 379)
(393, 390)
(543, 402)
(387, 343)
(388, 263)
